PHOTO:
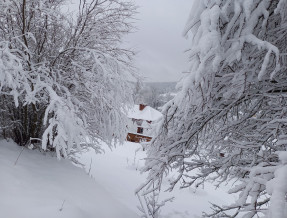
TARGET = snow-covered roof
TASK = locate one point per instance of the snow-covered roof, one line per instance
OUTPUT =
(148, 113)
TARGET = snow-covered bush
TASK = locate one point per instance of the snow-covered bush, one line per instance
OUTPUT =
(228, 123)
(63, 76)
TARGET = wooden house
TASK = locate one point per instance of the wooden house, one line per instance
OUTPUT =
(141, 120)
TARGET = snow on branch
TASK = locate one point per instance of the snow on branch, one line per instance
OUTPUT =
(65, 78)
(227, 122)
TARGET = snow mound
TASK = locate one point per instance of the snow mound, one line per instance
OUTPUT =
(40, 186)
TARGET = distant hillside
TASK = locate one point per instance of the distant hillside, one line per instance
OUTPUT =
(154, 94)
(162, 87)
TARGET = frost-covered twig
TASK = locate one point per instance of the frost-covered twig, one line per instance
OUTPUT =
(62, 207)
(19, 155)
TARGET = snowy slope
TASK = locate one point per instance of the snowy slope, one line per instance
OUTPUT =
(118, 172)
(39, 186)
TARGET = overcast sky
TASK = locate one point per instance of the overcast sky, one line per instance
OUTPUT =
(159, 39)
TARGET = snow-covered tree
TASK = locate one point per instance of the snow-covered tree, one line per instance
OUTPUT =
(228, 122)
(63, 75)
(146, 94)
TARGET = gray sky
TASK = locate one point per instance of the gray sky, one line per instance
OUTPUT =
(159, 39)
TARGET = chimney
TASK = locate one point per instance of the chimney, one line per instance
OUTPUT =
(142, 106)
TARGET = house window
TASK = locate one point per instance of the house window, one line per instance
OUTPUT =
(140, 130)
(139, 122)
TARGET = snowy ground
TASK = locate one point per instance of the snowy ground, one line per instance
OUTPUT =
(118, 172)
(40, 186)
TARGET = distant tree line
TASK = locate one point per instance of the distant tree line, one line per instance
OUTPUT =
(154, 94)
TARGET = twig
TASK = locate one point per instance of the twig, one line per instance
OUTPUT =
(90, 166)
(62, 205)
(19, 156)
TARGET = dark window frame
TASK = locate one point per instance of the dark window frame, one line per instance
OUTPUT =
(140, 130)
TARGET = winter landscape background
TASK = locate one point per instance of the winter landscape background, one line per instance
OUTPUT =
(81, 82)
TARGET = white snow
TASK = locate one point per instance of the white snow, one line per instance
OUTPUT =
(148, 113)
(277, 188)
(40, 186)
(118, 171)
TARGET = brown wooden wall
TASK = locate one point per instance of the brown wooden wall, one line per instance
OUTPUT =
(137, 138)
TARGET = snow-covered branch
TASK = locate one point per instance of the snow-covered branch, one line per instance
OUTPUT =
(227, 122)
(64, 77)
